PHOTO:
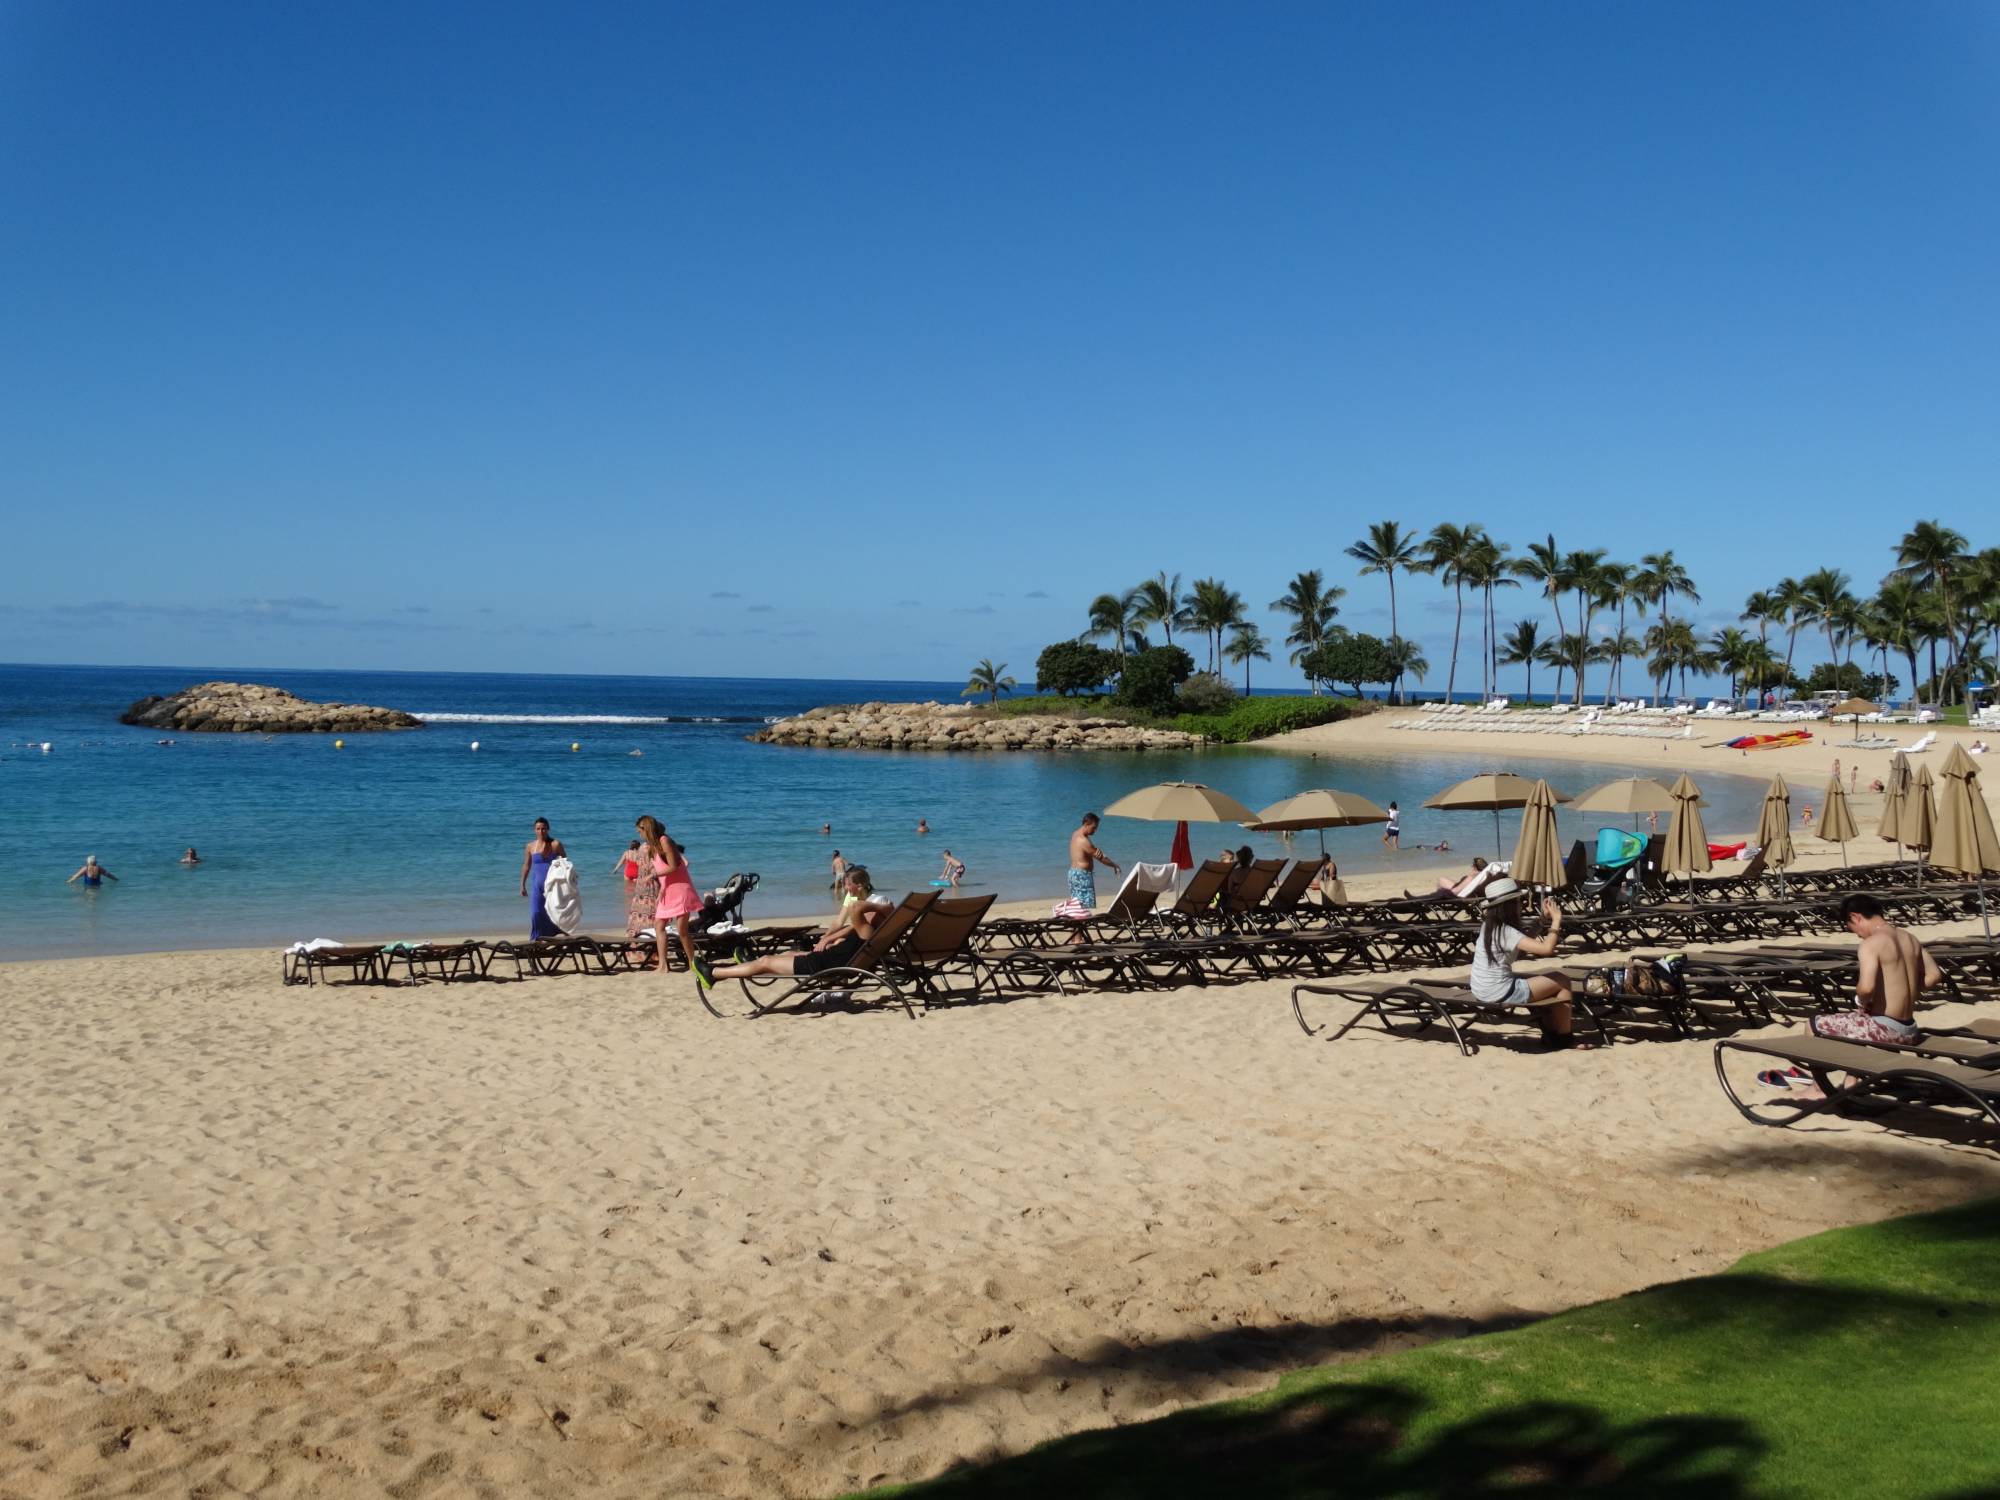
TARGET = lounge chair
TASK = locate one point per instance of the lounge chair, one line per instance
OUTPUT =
(1243, 895)
(444, 962)
(1425, 1003)
(1876, 1078)
(863, 972)
(363, 962)
(1288, 897)
(1196, 906)
(936, 954)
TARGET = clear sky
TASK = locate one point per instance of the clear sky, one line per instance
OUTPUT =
(871, 339)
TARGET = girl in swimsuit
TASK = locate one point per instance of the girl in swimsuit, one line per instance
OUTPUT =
(679, 900)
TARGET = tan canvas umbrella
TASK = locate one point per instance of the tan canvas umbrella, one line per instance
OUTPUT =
(1836, 819)
(1919, 812)
(1687, 840)
(1891, 827)
(1488, 792)
(1854, 706)
(1537, 853)
(1321, 808)
(1774, 827)
(1180, 802)
(1964, 841)
(1630, 795)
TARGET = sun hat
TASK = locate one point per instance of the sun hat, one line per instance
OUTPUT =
(1501, 891)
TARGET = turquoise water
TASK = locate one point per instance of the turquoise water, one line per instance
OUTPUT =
(416, 833)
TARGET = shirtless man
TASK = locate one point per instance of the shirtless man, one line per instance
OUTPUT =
(834, 950)
(1895, 972)
(1084, 856)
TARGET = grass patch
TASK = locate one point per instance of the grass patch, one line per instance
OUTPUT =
(1860, 1362)
(1244, 720)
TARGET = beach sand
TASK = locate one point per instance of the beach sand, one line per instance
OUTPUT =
(576, 1236)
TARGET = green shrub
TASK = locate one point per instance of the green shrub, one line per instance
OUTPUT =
(1258, 718)
(1205, 693)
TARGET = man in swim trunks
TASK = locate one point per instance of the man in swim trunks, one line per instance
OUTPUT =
(1084, 856)
(1895, 972)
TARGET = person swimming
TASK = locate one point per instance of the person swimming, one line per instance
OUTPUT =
(190, 858)
(92, 874)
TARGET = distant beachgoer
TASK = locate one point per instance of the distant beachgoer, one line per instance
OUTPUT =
(839, 876)
(1392, 831)
(535, 857)
(825, 828)
(1328, 883)
(1652, 822)
(1239, 871)
(923, 826)
(1084, 857)
(835, 948)
(1977, 747)
(954, 869)
(1854, 777)
(190, 858)
(1500, 941)
(1805, 818)
(1836, 768)
(642, 889)
(678, 898)
(1457, 888)
(1876, 785)
(92, 874)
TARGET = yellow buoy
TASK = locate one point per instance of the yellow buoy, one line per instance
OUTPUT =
(574, 746)
(340, 744)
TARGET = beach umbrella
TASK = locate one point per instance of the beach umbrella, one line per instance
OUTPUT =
(1774, 827)
(1836, 819)
(1488, 792)
(1687, 840)
(1180, 802)
(1919, 823)
(1854, 706)
(1537, 854)
(1629, 795)
(1891, 827)
(1964, 841)
(1321, 808)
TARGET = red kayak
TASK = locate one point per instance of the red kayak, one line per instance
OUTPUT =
(1771, 741)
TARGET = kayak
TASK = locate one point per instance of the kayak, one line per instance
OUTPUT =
(1772, 741)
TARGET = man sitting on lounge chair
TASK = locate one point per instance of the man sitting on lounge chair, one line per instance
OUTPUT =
(1895, 972)
(1460, 888)
(836, 946)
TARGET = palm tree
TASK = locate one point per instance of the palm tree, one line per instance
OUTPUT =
(1406, 658)
(1111, 615)
(988, 679)
(1826, 598)
(1899, 614)
(1764, 609)
(1310, 603)
(1521, 647)
(1158, 601)
(1929, 553)
(1618, 584)
(1613, 649)
(1247, 644)
(1731, 647)
(1486, 568)
(1795, 609)
(1544, 565)
(1581, 571)
(1570, 653)
(1386, 548)
(1444, 553)
(1212, 608)
(1664, 578)
(1758, 663)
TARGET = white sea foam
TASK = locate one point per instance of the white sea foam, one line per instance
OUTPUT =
(547, 719)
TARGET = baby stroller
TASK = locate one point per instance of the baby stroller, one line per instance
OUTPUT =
(1615, 878)
(723, 907)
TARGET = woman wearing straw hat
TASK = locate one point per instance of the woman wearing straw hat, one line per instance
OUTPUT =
(1501, 941)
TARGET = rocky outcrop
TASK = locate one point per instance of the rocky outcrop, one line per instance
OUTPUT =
(960, 726)
(251, 708)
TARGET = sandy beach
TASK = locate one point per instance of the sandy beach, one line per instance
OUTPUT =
(575, 1235)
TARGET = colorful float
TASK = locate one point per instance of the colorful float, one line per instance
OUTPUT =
(1771, 741)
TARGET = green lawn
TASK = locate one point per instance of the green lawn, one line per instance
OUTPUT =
(1863, 1362)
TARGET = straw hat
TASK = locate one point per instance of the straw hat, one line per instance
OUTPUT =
(1500, 892)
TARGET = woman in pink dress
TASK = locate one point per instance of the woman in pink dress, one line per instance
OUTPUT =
(679, 900)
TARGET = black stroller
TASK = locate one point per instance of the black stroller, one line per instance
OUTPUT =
(723, 906)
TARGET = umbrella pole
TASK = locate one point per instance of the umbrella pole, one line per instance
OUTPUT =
(1498, 852)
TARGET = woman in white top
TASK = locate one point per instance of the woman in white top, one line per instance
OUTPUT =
(1500, 942)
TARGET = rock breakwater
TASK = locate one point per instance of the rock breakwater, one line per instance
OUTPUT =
(961, 726)
(252, 708)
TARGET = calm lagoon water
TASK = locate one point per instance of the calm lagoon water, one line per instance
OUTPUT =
(415, 833)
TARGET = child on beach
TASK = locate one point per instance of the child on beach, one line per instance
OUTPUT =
(1392, 834)
(679, 899)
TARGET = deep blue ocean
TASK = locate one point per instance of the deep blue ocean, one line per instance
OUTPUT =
(415, 833)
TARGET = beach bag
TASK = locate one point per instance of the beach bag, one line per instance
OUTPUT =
(560, 896)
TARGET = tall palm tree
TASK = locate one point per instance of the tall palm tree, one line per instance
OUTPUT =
(1544, 565)
(1826, 598)
(1759, 664)
(1310, 603)
(1486, 568)
(1763, 609)
(1569, 653)
(1111, 615)
(1521, 648)
(1212, 608)
(1665, 578)
(1796, 610)
(1443, 554)
(1247, 644)
(1581, 570)
(1386, 548)
(1899, 616)
(988, 679)
(1157, 601)
(1930, 552)
(1731, 647)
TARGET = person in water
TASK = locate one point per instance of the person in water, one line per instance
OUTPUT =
(92, 874)
(536, 855)
(678, 901)
(954, 869)
(190, 858)
(923, 825)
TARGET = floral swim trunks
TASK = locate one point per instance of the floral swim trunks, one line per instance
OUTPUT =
(1860, 1026)
(1083, 888)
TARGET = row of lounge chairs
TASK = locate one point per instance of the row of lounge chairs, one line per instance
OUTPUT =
(478, 958)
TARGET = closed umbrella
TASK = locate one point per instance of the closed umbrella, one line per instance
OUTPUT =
(1774, 827)
(1919, 821)
(1836, 819)
(1321, 808)
(1964, 841)
(1488, 792)
(1537, 854)
(1687, 840)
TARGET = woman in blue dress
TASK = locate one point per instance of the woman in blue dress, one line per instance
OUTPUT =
(535, 857)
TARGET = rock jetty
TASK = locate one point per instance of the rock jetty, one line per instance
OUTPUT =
(251, 708)
(960, 726)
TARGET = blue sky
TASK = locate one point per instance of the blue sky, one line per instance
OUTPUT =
(869, 340)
